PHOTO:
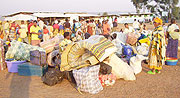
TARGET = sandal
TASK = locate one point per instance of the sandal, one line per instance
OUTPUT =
(157, 71)
(150, 72)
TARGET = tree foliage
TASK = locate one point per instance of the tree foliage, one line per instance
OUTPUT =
(105, 14)
(158, 8)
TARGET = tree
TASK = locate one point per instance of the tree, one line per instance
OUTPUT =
(138, 4)
(158, 8)
(175, 12)
(105, 14)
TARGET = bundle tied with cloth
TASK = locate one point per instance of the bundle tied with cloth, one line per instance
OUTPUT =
(172, 31)
(90, 52)
(86, 53)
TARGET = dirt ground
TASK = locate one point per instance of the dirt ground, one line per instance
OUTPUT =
(163, 85)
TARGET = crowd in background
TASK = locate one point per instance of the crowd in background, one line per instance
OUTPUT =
(34, 32)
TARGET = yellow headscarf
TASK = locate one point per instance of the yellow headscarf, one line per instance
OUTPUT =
(158, 20)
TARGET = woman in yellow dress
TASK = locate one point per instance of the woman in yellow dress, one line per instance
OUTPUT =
(157, 49)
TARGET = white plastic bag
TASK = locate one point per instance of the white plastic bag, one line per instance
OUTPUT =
(120, 68)
(143, 49)
(135, 63)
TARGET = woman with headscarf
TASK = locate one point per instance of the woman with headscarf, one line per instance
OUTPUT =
(56, 28)
(157, 49)
(173, 36)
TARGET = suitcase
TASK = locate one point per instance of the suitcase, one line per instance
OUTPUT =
(2, 55)
(28, 69)
(38, 57)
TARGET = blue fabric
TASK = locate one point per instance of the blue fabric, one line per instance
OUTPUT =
(61, 27)
(141, 37)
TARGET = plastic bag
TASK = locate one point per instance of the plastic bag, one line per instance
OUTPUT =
(87, 79)
(143, 49)
(135, 63)
(120, 68)
(52, 77)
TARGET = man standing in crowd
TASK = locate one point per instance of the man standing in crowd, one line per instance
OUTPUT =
(106, 28)
(6, 29)
(40, 23)
(29, 26)
(67, 26)
(23, 32)
(34, 30)
(115, 25)
(136, 25)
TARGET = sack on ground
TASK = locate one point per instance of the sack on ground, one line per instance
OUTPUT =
(108, 79)
(135, 63)
(120, 68)
(131, 38)
(52, 77)
(87, 79)
(105, 69)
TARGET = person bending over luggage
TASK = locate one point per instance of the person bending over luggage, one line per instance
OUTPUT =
(65, 42)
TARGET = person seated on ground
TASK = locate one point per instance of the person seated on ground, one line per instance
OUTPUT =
(128, 29)
(65, 42)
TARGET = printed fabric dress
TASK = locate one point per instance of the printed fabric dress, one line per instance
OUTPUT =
(157, 49)
(172, 47)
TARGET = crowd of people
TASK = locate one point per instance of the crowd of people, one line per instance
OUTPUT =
(34, 32)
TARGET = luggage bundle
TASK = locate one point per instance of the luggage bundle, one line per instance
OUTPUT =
(131, 38)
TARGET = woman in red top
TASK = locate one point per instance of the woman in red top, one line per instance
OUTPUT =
(45, 34)
(13, 28)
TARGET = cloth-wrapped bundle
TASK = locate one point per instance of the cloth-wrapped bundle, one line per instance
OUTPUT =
(51, 44)
(21, 51)
(131, 38)
(85, 53)
(54, 58)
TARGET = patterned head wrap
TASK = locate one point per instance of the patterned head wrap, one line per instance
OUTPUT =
(158, 20)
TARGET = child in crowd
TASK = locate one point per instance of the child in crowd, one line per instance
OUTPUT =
(45, 34)
(65, 42)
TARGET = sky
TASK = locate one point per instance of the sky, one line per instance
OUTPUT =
(13, 6)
